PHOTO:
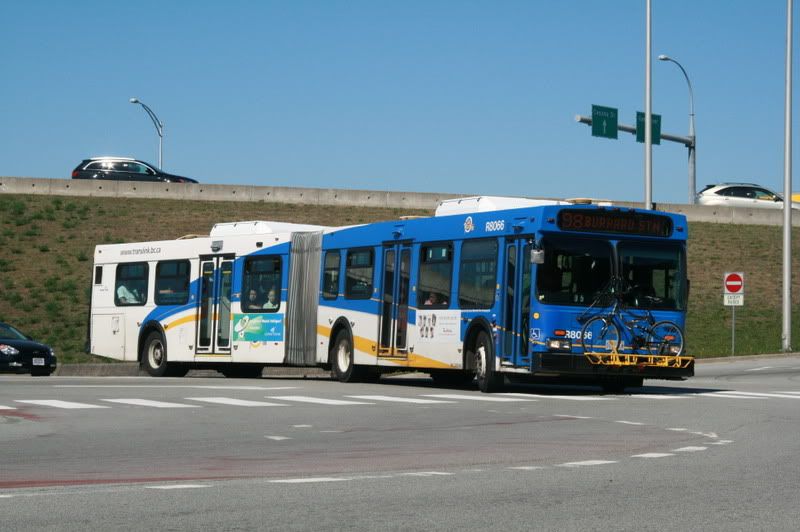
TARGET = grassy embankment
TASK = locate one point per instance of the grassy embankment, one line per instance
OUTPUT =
(48, 242)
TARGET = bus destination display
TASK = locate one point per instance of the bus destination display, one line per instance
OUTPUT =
(630, 223)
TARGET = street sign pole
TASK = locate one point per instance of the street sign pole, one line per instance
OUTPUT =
(733, 296)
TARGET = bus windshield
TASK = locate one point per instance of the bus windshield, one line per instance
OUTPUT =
(653, 275)
(575, 270)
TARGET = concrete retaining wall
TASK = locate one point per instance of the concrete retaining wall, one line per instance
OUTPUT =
(329, 196)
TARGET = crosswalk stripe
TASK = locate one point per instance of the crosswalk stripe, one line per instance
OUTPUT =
(60, 404)
(777, 395)
(316, 400)
(564, 397)
(3, 407)
(656, 396)
(150, 403)
(732, 395)
(492, 398)
(392, 399)
(232, 401)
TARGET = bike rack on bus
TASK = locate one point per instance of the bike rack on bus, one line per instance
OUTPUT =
(615, 358)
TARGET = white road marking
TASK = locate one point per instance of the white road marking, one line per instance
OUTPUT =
(572, 417)
(656, 396)
(675, 429)
(60, 404)
(587, 463)
(149, 403)
(331, 431)
(759, 369)
(232, 401)
(308, 480)
(277, 438)
(712, 435)
(726, 395)
(426, 474)
(301, 426)
(193, 386)
(487, 398)
(788, 392)
(652, 455)
(564, 397)
(721, 442)
(629, 422)
(316, 400)
(178, 487)
(6, 496)
(690, 449)
(392, 399)
(528, 467)
(3, 407)
(776, 395)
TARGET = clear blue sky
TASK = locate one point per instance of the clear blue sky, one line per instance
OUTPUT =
(446, 96)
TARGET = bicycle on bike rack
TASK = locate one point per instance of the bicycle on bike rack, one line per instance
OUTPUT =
(602, 334)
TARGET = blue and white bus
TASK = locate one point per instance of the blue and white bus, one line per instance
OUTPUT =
(487, 287)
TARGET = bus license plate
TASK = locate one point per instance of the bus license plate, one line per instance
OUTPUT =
(38, 361)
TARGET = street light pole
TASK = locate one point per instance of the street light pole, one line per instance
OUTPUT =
(693, 145)
(159, 128)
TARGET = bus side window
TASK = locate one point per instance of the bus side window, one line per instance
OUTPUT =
(435, 275)
(261, 284)
(359, 273)
(131, 284)
(330, 275)
(172, 282)
(477, 274)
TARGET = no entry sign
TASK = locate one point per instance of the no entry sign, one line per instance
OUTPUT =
(733, 286)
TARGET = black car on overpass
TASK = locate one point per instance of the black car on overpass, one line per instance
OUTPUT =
(124, 169)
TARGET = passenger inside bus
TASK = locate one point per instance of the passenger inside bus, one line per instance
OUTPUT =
(126, 296)
(435, 300)
(272, 300)
(253, 301)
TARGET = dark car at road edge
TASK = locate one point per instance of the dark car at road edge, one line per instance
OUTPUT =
(19, 353)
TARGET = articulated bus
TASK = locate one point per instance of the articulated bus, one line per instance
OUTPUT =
(492, 288)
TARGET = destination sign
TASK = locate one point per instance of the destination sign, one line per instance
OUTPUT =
(629, 223)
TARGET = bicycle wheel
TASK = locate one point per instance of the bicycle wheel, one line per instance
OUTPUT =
(665, 338)
(600, 335)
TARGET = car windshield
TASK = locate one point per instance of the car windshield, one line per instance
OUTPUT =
(7, 332)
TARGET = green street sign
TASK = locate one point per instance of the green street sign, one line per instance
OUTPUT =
(604, 122)
(656, 127)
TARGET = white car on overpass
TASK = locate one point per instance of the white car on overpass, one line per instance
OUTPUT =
(741, 195)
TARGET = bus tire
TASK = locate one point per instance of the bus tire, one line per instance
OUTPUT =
(489, 380)
(154, 355)
(342, 360)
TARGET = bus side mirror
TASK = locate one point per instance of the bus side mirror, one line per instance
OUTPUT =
(537, 256)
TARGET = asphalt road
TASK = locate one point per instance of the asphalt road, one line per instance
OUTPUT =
(717, 452)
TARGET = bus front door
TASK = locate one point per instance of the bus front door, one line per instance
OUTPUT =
(214, 306)
(516, 302)
(396, 281)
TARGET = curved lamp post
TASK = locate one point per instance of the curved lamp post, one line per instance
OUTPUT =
(159, 127)
(693, 146)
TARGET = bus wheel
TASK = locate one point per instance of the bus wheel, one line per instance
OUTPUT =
(154, 356)
(342, 365)
(488, 379)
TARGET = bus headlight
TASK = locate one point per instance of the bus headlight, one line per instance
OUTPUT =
(558, 344)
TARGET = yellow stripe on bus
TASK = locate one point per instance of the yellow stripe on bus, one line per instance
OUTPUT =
(368, 347)
(180, 321)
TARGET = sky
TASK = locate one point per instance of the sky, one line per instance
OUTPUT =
(467, 97)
